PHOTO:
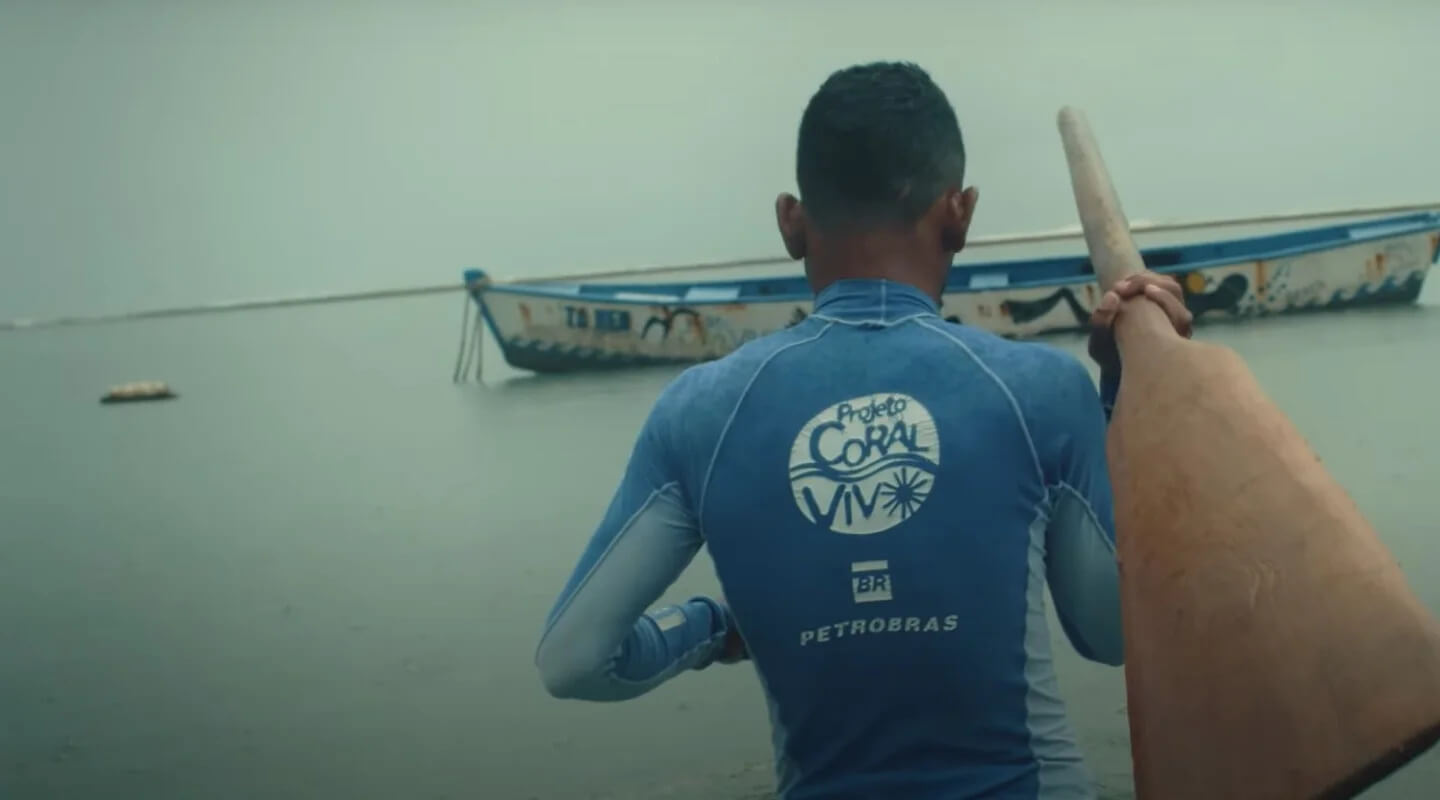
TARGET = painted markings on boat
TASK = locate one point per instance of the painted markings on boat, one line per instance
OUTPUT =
(609, 320)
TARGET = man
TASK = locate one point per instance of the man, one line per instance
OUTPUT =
(884, 494)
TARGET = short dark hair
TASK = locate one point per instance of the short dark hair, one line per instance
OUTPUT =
(878, 144)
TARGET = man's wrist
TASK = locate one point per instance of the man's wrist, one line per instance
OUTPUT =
(727, 647)
(732, 647)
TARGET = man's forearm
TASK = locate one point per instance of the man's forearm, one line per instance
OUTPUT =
(661, 644)
(673, 638)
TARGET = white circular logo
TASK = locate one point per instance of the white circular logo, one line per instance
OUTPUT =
(865, 465)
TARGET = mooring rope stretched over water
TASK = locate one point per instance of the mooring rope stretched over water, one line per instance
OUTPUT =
(1059, 234)
(233, 305)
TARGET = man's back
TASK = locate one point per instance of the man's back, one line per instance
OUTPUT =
(881, 492)
(885, 495)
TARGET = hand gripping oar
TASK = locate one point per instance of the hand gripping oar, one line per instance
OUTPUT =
(1273, 648)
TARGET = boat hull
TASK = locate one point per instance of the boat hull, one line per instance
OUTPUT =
(548, 329)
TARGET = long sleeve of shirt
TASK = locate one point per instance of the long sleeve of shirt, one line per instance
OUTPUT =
(1080, 540)
(600, 642)
(1109, 392)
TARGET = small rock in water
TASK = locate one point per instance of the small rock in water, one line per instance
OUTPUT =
(138, 391)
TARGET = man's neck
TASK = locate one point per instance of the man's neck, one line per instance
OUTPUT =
(877, 256)
(876, 264)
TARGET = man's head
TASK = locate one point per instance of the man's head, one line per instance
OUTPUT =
(880, 165)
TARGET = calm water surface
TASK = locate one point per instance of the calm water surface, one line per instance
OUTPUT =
(321, 571)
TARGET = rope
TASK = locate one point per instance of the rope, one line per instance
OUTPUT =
(477, 348)
(1058, 234)
(464, 329)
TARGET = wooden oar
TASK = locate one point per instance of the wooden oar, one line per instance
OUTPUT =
(1273, 648)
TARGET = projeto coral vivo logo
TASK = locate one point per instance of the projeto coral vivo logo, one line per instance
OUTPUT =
(865, 465)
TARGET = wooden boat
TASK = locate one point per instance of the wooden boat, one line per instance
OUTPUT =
(569, 326)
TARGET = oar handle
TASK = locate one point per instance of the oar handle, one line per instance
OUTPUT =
(1107, 233)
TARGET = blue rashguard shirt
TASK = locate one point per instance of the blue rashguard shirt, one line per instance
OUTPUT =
(885, 496)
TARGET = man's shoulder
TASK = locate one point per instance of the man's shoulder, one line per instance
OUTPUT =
(710, 390)
(1035, 364)
(694, 409)
(1053, 388)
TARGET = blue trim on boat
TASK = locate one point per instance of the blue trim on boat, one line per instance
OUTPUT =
(1052, 271)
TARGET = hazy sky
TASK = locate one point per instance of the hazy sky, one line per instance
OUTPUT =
(159, 153)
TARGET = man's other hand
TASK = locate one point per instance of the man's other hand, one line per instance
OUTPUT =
(734, 649)
(1163, 290)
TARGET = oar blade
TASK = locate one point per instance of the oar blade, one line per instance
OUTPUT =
(1273, 645)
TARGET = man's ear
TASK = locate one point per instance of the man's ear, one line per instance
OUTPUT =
(790, 219)
(959, 210)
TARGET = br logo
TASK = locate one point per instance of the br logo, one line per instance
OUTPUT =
(865, 465)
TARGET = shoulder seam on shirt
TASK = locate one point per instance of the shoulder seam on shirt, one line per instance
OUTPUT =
(1009, 395)
(725, 431)
(1089, 512)
(624, 529)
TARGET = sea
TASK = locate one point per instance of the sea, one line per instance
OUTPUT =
(321, 571)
